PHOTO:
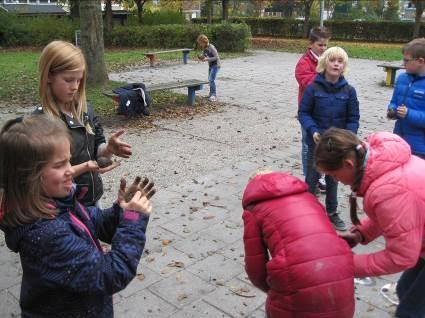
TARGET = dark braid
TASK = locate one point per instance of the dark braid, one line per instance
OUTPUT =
(360, 157)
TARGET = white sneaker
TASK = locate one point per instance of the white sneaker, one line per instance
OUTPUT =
(389, 292)
(212, 98)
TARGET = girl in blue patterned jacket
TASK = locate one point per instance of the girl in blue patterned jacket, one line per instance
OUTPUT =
(65, 271)
(329, 101)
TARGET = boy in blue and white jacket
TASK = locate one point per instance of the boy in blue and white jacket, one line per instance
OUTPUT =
(407, 105)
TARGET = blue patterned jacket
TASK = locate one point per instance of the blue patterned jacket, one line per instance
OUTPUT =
(65, 271)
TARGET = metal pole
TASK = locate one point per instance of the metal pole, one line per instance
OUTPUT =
(322, 5)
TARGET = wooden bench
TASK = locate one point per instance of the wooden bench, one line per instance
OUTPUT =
(152, 55)
(391, 70)
(192, 85)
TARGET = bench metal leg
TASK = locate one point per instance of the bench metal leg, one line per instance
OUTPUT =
(151, 59)
(185, 57)
(390, 79)
(191, 92)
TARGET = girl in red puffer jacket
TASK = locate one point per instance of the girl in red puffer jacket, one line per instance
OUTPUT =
(292, 251)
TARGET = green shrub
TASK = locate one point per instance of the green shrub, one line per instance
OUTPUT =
(164, 16)
(19, 31)
(227, 37)
(373, 31)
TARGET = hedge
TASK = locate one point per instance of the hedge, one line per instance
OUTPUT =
(226, 37)
(16, 31)
(372, 31)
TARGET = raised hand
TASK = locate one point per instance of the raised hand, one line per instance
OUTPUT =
(136, 196)
(146, 188)
(117, 147)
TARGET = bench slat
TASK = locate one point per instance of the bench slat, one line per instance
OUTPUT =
(192, 85)
(168, 51)
(178, 84)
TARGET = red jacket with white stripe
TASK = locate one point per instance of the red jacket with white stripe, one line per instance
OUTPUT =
(292, 251)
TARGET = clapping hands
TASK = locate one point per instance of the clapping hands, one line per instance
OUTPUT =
(136, 196)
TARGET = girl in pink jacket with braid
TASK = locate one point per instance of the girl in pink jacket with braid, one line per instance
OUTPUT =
(390, 179)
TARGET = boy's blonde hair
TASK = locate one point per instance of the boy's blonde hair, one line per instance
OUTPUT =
(26, 147)
(57, 57)
(202, 39)
(332, 53)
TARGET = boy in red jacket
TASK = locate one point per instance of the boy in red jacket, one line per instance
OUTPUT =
(292, 251)
(305, 72)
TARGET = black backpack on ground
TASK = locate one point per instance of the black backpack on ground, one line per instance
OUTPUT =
(134, 100)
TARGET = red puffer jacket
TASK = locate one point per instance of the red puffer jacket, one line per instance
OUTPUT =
(305, 72)
(292, 251)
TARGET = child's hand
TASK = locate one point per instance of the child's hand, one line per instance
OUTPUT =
(316, 137)
(139, 203)
(146, 187)
(94, 166)
(117, 147)
(402, 111)
(352, 238)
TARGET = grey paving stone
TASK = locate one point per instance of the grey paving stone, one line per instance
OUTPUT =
(143, 304)
(215, 269)
(198, 246)
(233, 304)
(224, 231)
(9, 306)
(199, 309)
(167, 262)
(182, 288)
(144, 278)
(234, 252)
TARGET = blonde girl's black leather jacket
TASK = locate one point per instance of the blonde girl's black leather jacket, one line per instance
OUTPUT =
(84, 148)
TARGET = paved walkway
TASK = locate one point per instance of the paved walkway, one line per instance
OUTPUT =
(193, 263)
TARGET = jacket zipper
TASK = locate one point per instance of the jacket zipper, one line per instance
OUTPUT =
(91, 173)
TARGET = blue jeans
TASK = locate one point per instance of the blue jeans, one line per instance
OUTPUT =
(304, 148)
(212, 74)
(331, 184)
(411, 292)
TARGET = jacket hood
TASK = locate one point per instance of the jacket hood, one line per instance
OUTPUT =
(387, 152)
(320, 79)
(14, 235)
(271, 186)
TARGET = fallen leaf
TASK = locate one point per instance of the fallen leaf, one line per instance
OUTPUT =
(176, 264)
(166, 242)
(140, 276)
(241, 291)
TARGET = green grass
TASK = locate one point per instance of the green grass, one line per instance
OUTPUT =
(19, 79)
(363, 50)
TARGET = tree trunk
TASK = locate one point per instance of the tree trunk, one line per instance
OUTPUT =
(108, 16)
(209, 9)
(91, 25)
(74, 7)
(419, 5)
(140, 4)
(307, 8)
(225, 7)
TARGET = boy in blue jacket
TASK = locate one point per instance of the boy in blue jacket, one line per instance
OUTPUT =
(407, 105)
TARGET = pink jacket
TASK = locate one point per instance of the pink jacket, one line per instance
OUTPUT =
(393, 187)
(292, 251)
(305, 72)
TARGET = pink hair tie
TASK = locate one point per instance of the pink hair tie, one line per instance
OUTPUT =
(359, 146)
